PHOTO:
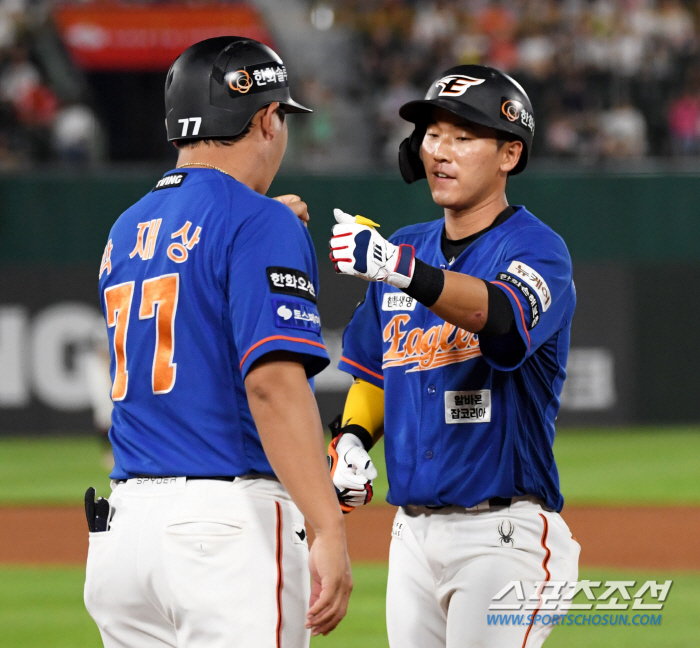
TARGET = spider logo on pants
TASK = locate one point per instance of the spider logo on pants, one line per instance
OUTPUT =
(506, 533)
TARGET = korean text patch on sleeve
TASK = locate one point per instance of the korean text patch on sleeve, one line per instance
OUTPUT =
(289, 281)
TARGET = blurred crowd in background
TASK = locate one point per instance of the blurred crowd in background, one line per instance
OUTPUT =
(609, 79)
(39, 122)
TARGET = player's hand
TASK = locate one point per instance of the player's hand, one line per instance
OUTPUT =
(297, 205)
(331, 582)
(358, 249)
(352, 471)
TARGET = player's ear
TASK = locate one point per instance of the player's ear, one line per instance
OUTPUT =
(270, 122)
(511, 152)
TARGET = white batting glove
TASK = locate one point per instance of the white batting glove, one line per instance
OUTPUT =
(358, 249)
(352, 471)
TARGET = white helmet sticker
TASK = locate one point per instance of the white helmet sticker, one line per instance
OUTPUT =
(455, 85)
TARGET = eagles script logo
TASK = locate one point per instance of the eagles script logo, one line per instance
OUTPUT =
(436, 347)
(455, 85)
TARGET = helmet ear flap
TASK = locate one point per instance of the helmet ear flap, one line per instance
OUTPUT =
(410, 164)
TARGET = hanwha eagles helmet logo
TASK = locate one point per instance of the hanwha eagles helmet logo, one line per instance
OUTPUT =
(240, 81)
(455, 85)
(511, 110)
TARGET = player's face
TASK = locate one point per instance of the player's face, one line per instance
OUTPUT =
(463, 162)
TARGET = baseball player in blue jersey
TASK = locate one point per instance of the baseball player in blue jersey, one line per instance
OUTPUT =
(459, 353)
(209, 293)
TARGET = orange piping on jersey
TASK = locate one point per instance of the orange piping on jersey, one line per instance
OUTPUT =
(545, 562)
(359, 366)
(280, 575)
(454, 357)
(279, 337)
(517, 301)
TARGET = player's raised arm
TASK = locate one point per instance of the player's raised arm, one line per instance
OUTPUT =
(457, 298)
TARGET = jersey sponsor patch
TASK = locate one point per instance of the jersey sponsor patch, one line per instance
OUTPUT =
(397, 530)
(534, 280)
(171, 181)
(527, 293)
(468, 406)
(398, 302)
(289, 281)
(296, 315)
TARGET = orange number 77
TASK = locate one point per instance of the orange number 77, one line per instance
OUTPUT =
(161, 292)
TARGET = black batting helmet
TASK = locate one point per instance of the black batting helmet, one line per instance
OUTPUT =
(479, 94)
(214, 87)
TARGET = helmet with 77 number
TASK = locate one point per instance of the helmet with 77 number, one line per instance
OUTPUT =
(479, 94)
(214, 88)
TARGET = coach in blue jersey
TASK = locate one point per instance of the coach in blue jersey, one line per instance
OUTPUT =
(209, 293)
(459, 353)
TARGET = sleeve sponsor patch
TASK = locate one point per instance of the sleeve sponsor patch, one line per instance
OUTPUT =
(534, 280)
(527, 293)
(468, 406)
(170, 181)
(288, 281)
(398, 301)
(296, 315)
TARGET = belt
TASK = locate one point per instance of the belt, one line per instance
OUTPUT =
(190, 478)
(493, 502)
(210, 477)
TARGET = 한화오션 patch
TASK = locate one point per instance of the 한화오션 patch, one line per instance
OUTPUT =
(289, 281)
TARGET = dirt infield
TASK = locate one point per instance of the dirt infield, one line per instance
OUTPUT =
(630, 537)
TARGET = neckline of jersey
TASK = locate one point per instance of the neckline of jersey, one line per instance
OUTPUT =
(457, 247)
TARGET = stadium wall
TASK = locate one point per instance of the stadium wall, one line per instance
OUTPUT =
(633, 239)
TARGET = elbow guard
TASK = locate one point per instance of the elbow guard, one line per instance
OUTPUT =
(501, 318)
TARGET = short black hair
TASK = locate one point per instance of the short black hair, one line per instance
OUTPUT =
(224, 141)
(504, 138)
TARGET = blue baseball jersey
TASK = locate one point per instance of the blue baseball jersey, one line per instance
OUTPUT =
(467, 419)
(199, 279)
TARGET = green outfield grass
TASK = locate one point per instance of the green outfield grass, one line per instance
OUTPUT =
(629, 466)
(49, 470)
(603, 466)
(43, 608)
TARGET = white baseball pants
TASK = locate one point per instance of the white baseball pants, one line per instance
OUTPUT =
(200, 564)
(445, 566)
